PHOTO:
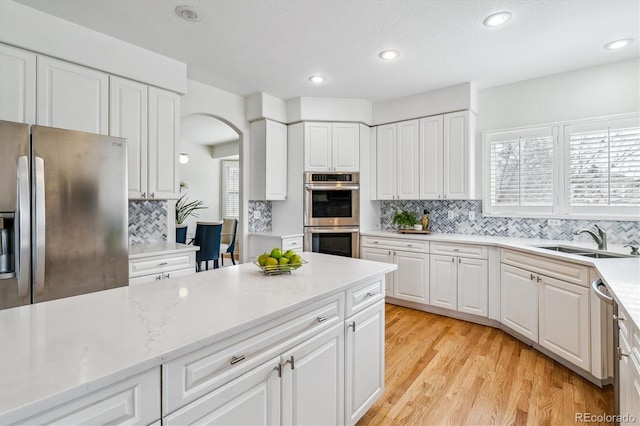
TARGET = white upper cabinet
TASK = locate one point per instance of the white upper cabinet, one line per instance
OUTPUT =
(431, 158)
(397, 161)
(72, 97)
(407, 158)
(345, 147)
(164, 131)
(268, 161)
(386, 162)
(459, 156)
(17, 85)
(331, 147)
(434, 158)
(128, 112)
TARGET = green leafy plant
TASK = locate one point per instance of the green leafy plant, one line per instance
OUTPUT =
(186, 208)
(405, 218)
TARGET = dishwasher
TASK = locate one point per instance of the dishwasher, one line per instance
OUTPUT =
(603, 293)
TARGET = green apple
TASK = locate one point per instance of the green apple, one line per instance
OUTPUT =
(289, 254)
(262, 259)
(296, 261)
(276, 253)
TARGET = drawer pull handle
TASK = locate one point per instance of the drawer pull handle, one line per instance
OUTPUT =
(409, 245)
(617, 318)
(321, 319)
(163, 263)
(375, 242)
(538, 279)
(158, 277)
(236, 359)
(456, 249)
(294, 244)
(620, 353)
(371, 294)
(533, 277)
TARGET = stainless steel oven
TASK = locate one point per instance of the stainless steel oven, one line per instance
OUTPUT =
(337, 240)
(331, 199)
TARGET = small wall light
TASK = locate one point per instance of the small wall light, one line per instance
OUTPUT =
(184, 158)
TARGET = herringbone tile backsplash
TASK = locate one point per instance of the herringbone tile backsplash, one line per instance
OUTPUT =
(264, 223)
(147, 221)
(618, 232)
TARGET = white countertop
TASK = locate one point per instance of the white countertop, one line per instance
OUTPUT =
(153, 249)
(58, 350)
(621, 275)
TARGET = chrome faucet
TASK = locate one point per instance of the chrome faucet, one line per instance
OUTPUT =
(600, 239)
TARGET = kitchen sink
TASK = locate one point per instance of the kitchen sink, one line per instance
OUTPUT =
(583, 252)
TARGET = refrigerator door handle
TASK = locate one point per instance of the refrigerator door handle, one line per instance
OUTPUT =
(23, 239)
(40, 228)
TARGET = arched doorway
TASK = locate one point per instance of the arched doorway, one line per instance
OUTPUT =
(209, 169)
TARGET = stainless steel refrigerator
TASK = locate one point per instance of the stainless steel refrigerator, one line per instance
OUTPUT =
(63, 213)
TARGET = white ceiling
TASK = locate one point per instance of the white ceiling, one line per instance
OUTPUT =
(272, 46)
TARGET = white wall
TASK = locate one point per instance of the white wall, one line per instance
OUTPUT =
(202, 175)
(589, 92)
(448, 99)
(229, 108)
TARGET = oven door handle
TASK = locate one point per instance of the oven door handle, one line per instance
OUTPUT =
(313, 187)
(331, 230)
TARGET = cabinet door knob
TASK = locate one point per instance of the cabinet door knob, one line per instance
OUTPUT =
(153, 195)
(158, 277)
(620, 353)
(167, 275)
(453, 259)
(292, 362)
(236, 359)
(533, 277)
(538, 279)
(353, 324)
(617, 318)
(143, 195)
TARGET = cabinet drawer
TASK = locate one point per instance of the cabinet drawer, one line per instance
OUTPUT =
(562, 270)
(396, 243)
(364, 295)
(197, 373)
(156, 264)
(464, 250)
(162, 276)
(292, 244)
(134, 401)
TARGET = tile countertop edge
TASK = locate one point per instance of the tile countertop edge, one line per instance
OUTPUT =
(17, 411)
(622, 275)
(137, 251)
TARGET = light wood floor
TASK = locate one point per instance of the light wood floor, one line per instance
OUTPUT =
(443, 371)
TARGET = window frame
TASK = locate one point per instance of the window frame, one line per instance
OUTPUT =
(225, 164)
(562, 208)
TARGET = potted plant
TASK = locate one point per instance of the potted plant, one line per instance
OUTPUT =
(184, 209)
(405, 219)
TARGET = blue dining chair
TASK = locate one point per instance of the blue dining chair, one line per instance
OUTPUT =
(208, 239)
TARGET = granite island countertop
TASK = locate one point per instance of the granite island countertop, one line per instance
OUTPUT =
(621, 275)
(53, 352)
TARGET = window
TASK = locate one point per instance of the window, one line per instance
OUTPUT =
(604, 166)
(521, 171)
(590, 169)
(230, 188)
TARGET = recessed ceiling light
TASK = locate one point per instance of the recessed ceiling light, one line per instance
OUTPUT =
(317, 78)
(389, 54)
(188, 13)
(497, 19)
(618, 44)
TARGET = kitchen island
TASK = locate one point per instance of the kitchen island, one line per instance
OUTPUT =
(56, 355)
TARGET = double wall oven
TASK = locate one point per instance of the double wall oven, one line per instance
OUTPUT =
(332, 213)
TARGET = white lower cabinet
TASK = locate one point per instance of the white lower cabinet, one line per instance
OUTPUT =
(443, 289)
(134, 401)
(519, 301)
(253, 398)
(563, 326)
(313, 380)
(156, 267)
(364, 366)
(411, 280)
(473, 286)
